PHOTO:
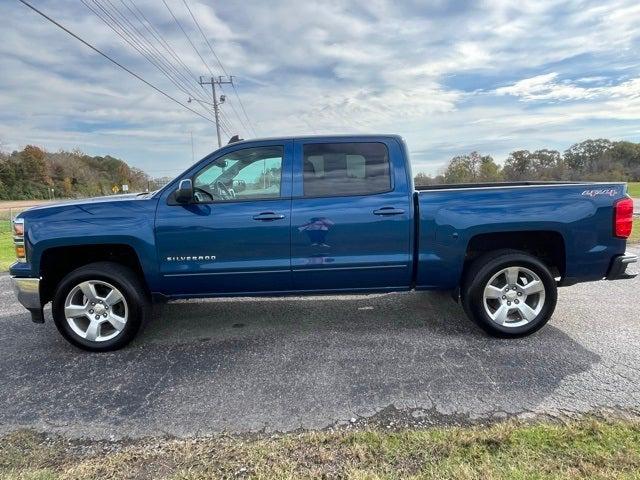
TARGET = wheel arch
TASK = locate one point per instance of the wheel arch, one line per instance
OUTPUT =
(546, 245)
(56, 262)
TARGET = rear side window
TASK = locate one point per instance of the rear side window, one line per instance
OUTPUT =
(342, 169)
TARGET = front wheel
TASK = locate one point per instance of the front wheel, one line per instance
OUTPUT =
(100, 307)
(509, 293)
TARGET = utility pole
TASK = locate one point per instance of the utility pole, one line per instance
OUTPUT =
(216, 103)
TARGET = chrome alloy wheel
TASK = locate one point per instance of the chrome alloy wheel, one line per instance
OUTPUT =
(96, 311)
(513, 297)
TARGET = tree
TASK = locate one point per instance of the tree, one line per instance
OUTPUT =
(518, 166)
(626, 155)
(547, 165)
(30, 173)
(587, 157)
(489, 170)
(471, 168)
(67, 187)
(422, 179)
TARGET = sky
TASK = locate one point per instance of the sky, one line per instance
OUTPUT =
(449, 76)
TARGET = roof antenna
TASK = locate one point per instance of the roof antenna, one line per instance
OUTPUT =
(235, 139)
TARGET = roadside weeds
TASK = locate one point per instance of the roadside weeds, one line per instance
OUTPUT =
(583, 448)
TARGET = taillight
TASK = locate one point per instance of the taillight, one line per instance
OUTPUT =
(623, 217)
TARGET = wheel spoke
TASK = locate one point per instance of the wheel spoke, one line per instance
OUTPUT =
(116, 321)
(492, 292)
(501, 315)
(501, 301)
(512, 275)
(75, 311)
(532, 287)
(89, 291)
(93, 330)
(113, 298)
(101, 304)
(526, 311)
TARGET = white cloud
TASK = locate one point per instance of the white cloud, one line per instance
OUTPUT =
(450, 76)
(547, 87)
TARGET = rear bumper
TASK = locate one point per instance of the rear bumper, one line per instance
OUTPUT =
(28, 293)
(623, 266)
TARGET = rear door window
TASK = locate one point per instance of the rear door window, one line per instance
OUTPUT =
(344, 169)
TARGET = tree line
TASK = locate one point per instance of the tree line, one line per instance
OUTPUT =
(34, 173)
(596, 160)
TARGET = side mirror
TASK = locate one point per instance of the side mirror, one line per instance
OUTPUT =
(184, 193)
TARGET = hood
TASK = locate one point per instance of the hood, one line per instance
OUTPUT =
(86, 204)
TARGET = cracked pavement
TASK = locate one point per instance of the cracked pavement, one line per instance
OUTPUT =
(278, 364)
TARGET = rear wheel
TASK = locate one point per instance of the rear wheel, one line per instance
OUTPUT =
(100, 307)
(509, 293)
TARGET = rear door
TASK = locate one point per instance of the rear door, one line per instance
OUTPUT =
(234, 237)
(351, 216)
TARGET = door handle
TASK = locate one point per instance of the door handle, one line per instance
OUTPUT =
(268, 216)
(388, 211)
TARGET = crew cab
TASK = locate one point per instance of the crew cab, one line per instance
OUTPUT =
(316, 215)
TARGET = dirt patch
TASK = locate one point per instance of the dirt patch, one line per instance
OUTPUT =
(20, 204)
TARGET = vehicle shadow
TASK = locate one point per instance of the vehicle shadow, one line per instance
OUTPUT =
(434, 311)
(247, 364)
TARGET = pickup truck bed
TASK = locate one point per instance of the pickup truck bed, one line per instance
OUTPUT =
(573, 230)
(317, 215)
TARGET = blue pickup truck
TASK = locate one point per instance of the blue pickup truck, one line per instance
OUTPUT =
(314, 215)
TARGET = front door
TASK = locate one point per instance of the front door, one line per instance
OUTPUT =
(234, 237)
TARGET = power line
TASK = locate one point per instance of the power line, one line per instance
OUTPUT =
(223, 71)
(243, 109)
(158, 61)
(156, 34)
(219, 63)
(141, 35)
(115, 62)
(188, 37)
(225, 126)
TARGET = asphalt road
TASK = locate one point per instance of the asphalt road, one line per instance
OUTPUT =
(247, 365)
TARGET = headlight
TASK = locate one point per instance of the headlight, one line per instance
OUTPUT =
(18, 239)
(18, 227)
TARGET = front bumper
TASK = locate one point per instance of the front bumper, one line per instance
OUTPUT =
(28, 293)
(619, 268)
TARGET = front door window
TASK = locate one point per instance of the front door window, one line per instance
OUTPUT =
(247, 174)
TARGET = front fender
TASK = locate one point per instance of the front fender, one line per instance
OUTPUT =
(128, 223)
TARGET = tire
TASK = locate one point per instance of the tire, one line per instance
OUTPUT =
(521, 308)
(100, 307)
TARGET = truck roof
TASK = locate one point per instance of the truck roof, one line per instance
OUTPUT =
(359, 136)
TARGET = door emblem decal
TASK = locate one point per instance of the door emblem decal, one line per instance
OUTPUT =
(190, 258)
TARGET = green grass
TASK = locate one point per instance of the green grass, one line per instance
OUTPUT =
(634, 189)
(580, 449)
(7, 252)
